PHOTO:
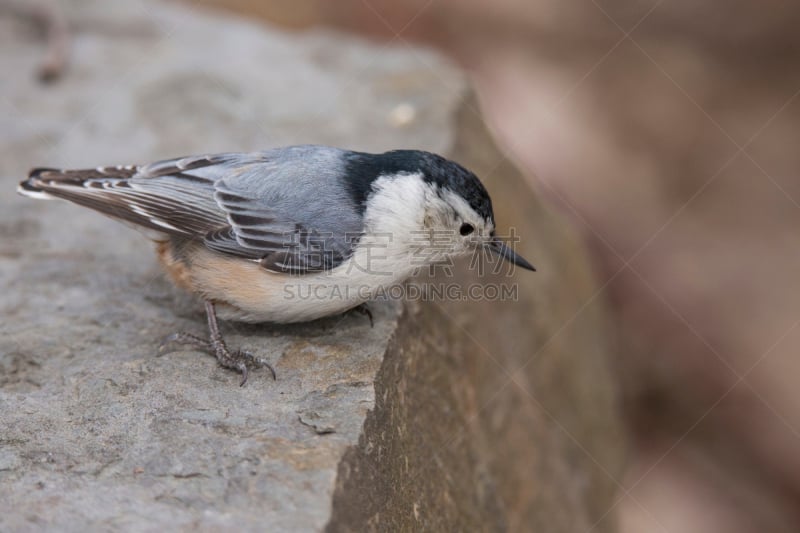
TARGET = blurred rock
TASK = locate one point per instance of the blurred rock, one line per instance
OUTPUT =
(414, 422)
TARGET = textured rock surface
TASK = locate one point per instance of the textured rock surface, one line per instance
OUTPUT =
(98, 431)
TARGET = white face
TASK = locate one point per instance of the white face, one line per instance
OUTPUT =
(453, 225)
(422, 222)
(462, 229)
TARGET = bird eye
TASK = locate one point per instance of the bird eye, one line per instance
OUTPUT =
(466, 229)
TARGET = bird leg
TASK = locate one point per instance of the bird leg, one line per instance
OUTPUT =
(239, 360)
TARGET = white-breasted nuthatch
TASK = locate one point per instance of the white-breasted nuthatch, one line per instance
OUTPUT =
(237, 228)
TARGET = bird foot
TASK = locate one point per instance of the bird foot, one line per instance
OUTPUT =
(239, 360)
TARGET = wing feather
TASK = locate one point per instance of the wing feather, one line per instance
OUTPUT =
(271, 206)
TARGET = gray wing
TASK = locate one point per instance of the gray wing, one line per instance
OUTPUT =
(284, 207)
(289, 208)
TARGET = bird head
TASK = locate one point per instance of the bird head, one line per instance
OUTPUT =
(445, 203)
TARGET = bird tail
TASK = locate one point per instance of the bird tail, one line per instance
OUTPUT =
(126, 194)
(49, 183)
(97, 189)
(55, 183)
(33, 187)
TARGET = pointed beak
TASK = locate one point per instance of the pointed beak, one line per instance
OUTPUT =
(499, 248)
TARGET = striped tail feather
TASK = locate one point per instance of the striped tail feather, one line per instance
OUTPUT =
(92, 188)
(43, 181)
(118, 192)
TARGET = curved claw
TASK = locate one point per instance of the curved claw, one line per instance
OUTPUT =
(243, 369)
(364, 310)
(257, 362)
(272, 370)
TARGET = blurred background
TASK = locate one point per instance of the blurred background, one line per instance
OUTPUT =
(666, 130)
